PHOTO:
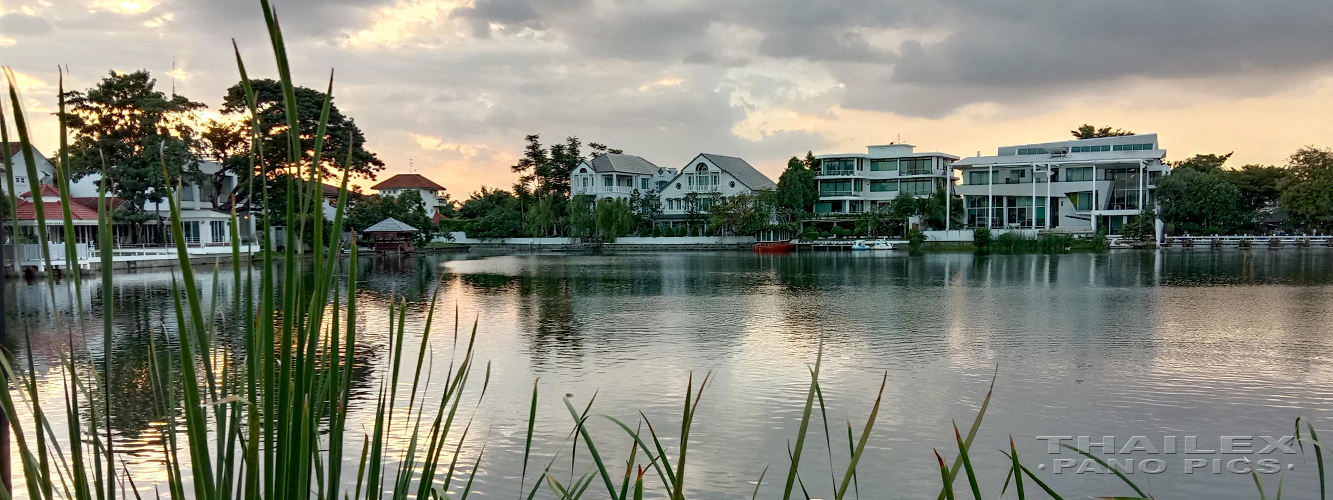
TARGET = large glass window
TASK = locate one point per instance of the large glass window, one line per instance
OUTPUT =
(836, 188)
(1078, 174)
(914, 166)
(977, 177)
(1031, 151)
(883, 186)
(606, 180)
(839, 166)
(884, 165)
(917, 187)
(1132, 147)
(218, 231)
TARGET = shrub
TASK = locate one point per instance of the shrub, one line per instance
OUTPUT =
(657, 232)
(981, 239)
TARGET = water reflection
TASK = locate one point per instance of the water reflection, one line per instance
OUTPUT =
(1125, 343)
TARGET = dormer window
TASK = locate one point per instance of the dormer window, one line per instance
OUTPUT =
(701, 168)
(583, 170)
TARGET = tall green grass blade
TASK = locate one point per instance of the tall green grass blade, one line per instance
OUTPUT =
(861, 445)
(976, 425)
(967, 463)
(527, 440)
(592, 448)
(805, 424)
(1114, 470)
(945, 477)
(754, 495)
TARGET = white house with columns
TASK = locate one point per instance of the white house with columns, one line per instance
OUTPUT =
(1081, 185)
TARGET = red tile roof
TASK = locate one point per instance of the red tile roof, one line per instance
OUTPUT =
(438, 217)
(47, 191)
(402, 181)
(51, 210)
(15, 148)
(91, 202)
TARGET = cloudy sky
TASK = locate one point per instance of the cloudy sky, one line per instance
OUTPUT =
(452, 86)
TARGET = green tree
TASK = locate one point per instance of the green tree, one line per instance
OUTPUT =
(647, 208)
(1142, 227)
(1208, 164)
(490, 214)
(542, 219)
(276, 142)
(580, 221)
(1201, 203)
(544, 172)
(796, 191)
(226, 142)
(1307, 189)
(1087, 131)
(127, 125)
(1258, 184)
(743, 215)
(613, 218)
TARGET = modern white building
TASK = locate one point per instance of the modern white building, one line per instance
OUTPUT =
(1083, 184)
(853, 183)
(431, 193)
(618, 176)
(708, 178)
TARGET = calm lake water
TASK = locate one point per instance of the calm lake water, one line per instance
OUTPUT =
(1129, 343)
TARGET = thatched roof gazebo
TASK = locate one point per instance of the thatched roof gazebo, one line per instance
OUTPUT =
(391, 235)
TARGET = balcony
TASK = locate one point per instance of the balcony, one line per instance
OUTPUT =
(832, 193)
(603, 190)
(838, 172)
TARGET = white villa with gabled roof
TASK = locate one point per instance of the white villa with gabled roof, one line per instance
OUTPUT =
(615, 175)
(708, 178)
(1086, 184)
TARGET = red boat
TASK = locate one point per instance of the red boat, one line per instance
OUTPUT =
(774, 247)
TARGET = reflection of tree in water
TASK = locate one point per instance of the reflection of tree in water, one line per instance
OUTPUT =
(406, 276)
(546, 314)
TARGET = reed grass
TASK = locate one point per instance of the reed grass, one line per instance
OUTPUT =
(276, 427)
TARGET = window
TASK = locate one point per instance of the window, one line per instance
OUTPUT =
(1132, 147)
(977, 177)
(643, 183)
(606, 180)
(1090, 149)
(689, 179)
(888, 165)
(677, 185)
(187, 192)
(1082, 201)
(835, 188)
(701, 167)
(583, 170)
(1031, 151)
(917, 187)
(914, 166)
(839, 166)
(191, 231)
(883, 186)
(1078, 174)
(218, 230)
(732, 184)
(715, 179)
(585, 182)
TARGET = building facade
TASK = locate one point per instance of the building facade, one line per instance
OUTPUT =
(853, 183)
(1081, 185)
(707, 179)
(431, 193)
(618, 176)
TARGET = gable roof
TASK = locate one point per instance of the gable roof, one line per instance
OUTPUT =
(27, 210)
(742, 171)
(90, 202)
(46, 189)
(391, 225)
(407, 181)
(631, 164)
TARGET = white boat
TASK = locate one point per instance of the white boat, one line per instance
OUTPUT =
(872, 245)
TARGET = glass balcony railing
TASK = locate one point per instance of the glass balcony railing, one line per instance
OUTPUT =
(839, 171)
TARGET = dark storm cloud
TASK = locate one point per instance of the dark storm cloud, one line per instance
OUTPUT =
(505, 13)
(494, 70)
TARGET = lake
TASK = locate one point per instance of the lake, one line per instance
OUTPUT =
(1165, 345)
